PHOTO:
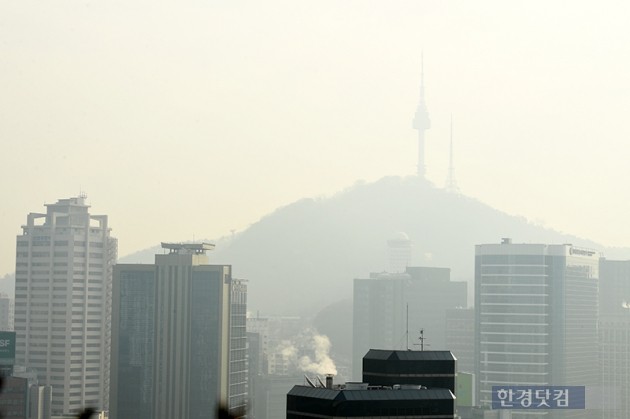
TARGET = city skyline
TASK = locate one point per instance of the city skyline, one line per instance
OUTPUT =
(181, 104)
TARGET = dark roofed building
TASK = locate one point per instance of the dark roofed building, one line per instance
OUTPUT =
(419, 384)
(308, 402)
(432, 369)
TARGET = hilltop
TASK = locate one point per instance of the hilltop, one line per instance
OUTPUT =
(304, 256)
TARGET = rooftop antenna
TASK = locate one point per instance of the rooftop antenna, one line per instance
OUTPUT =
(421, 339)
(451, 185)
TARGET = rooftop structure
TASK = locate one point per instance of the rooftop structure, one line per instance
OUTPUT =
(431, 369)
(367, 402)
(188, 248)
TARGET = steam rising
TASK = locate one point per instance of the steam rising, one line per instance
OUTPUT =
(309, 352)
(322, 364)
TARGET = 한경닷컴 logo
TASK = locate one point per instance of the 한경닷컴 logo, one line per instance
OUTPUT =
(538, 397)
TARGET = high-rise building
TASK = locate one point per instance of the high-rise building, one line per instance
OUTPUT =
(63, 276)
(536, 319)
(390, 310)
(614, 337)
(179, 343)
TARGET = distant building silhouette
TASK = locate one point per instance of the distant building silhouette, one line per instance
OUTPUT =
(536, 318)
(389, 310)
(614, 336)
(179, 344)
(277, 370)
(399, 249)
(63, 300)
(460, 337)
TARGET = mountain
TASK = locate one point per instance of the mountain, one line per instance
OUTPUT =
(304, 256)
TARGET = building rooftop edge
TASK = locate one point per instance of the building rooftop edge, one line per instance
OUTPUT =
(187, 246)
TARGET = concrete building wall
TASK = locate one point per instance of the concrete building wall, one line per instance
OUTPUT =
(64, 262)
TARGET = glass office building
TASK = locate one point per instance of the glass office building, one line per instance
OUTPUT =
(536, 319)
(178, 337)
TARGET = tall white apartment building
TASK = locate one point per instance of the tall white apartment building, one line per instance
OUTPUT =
(63, 283)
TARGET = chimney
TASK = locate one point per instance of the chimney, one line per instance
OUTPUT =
(329, 381)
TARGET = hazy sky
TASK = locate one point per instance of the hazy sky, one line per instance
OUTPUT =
(195, 119)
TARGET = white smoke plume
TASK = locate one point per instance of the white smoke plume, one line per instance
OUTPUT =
(288, 350)
(322, 364)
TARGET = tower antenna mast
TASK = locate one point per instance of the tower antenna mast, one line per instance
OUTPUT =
(421, 122)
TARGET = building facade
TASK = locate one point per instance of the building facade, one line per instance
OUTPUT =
(614, 337)
(536, 319)
(460, 337)
(14, 398)
(179, 344)
(63, 275)
(390, 310)
(6, 312)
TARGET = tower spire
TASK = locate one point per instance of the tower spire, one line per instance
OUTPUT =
(451, 185)
(421, 122)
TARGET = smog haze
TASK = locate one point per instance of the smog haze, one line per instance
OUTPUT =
(192, 120)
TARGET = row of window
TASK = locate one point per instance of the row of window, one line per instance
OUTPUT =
(59, 254)
(45, 241)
